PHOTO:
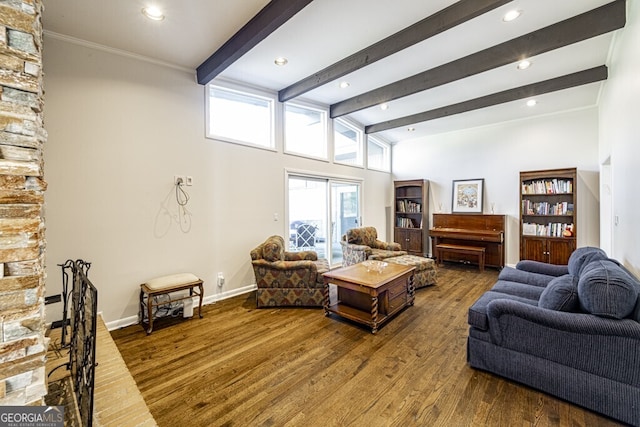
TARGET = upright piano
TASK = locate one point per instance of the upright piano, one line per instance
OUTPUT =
(480, 230)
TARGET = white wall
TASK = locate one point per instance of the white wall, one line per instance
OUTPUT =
(119, 129)
(619, 130)
(498, 153)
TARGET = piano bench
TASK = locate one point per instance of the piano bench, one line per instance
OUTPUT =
(443, 248)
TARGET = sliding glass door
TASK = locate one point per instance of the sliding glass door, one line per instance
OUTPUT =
(320, 211)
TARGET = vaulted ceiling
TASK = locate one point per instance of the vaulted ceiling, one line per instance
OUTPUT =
(438, 65)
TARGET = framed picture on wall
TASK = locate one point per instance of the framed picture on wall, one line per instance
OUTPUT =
(467, 196)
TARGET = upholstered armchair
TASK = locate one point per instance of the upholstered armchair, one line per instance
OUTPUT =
(360, 244)
(287, 278)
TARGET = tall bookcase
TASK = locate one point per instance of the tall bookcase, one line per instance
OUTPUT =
(411, 222)
(548, 215)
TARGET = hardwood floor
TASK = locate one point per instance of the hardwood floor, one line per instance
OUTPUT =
(242, 366)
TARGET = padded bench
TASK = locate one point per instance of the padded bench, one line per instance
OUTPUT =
(443, 248)
(425, 271)
(167, 285)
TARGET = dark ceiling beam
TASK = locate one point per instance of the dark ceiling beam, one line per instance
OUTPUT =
(272, 16)
(590, 24)
(580, 78)
(437, 23)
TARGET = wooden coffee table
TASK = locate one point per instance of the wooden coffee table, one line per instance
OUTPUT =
(369, 297)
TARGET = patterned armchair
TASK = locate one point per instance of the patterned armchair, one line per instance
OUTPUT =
(287, 278)
(360, 244)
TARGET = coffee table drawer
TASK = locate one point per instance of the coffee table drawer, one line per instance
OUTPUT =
(398, 288)
(398, 301)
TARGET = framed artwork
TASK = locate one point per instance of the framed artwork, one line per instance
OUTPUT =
(467, 196)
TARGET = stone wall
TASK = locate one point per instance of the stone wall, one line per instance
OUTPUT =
(23, 380)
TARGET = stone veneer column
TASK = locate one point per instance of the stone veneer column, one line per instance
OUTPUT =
(23, 380)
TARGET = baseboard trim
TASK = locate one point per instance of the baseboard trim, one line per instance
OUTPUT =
(208, 299)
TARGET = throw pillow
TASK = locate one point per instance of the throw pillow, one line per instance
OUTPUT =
(606, 290)
(273, 249)
(582, 256)
(561, 294)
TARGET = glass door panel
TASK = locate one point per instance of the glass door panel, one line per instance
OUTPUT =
(308, 214)
(320, 212)
(345, 214)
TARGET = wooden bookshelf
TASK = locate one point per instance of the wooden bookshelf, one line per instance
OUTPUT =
(548, 215)
(411, 220)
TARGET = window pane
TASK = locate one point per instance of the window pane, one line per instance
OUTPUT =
(305, 131)
(348, 146)
(240, 117)
(378, 155)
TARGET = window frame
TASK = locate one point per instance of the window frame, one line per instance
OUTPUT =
(263, 95)
(386, 146)
(360, 141)
(324, 112)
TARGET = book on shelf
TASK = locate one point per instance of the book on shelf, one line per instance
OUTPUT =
(554, 229)
(546, 208)
(407, 223)
(408, 206)
(528, 229)
(548, 186)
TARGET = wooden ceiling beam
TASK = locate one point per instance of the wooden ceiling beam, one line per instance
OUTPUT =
(580, 78)
(269, 19)
(437, 23)
(590, 24)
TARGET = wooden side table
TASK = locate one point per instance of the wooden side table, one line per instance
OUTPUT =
(167, 285)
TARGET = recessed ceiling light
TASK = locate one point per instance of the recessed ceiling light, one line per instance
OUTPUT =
(384, 106)
(532, 103)
(281, 61)
(511, 15)
(524, 64)
(153, 12)
(344, 84)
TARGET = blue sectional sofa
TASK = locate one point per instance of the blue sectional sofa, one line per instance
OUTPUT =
(571, 331)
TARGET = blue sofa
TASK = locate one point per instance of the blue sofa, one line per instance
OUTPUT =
(571, 331)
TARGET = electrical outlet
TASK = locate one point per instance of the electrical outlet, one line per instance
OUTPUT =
(178, 179)
(189, 180)
(220, 279)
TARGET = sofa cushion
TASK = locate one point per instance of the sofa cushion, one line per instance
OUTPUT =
(518, 289)
(583, 256)
(636, 312)
(606, 290)
(539, 267)
(273, 249)
(521, 276)
(477, 315)
(561, 294)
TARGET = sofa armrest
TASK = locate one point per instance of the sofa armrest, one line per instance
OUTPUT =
(578, 323)
(387, 246)
(285, 265)
(356, 247)
(578, 340)
(542, 268)
(301, 256)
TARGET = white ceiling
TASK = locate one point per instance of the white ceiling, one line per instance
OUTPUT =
(328, 30)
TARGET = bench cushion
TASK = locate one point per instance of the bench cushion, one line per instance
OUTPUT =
(170, 281)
